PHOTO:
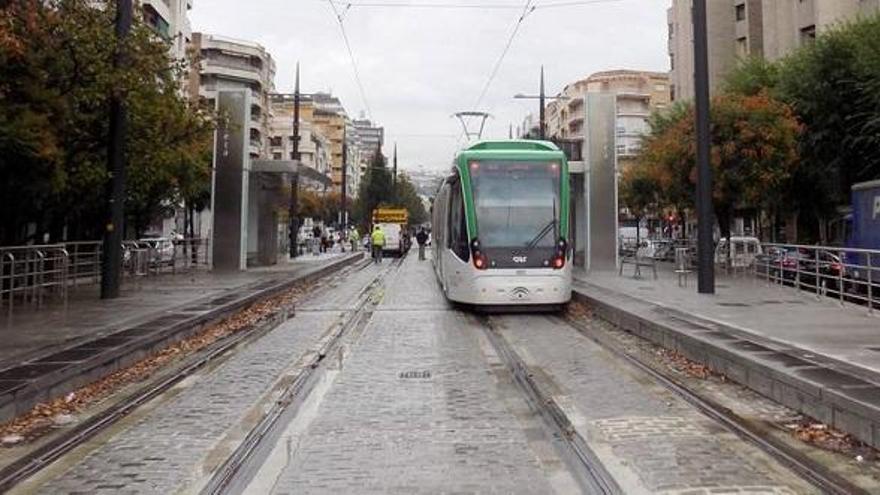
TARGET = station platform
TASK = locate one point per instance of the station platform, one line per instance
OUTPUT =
(811, 353)
(31, 333)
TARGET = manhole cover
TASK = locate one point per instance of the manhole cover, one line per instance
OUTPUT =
(415, 375)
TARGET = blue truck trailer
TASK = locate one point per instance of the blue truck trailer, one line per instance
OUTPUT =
(865, 234)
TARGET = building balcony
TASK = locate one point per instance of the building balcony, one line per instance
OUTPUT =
(633, 95)
(634, 113)
(249, 75)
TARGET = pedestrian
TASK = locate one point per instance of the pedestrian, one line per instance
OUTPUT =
(316, 240)
(422, 239)
(378, 241)
(354, 237)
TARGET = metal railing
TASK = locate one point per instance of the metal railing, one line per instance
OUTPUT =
(847, 274)
(31, 274)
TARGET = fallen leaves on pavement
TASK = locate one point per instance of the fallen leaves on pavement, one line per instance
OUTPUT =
(61, 411)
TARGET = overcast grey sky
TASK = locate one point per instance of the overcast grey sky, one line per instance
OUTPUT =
(420, 65)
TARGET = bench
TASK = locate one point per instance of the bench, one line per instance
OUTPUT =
(638, 262)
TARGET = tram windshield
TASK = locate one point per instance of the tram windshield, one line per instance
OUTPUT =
(517, 203)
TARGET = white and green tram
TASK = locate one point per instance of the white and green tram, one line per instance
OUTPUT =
(501, 226)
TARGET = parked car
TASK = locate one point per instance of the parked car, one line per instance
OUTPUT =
(161, 250)
(745, 251)
(827, 265)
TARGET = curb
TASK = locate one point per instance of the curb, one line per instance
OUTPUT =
(45, 378)
(832, 392)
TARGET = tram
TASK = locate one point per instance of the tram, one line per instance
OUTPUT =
(501, 226)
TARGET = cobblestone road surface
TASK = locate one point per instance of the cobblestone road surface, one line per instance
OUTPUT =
(419, 407)
(647, 437)
(170, 447)
(417, 401)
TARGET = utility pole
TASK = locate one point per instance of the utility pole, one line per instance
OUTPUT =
(705, 216)
(294, 177)
(114, 227)
(394, 175)
(510, 131)
(344, 219)
(542, 134)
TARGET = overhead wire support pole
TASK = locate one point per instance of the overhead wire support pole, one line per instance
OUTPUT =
(294, 176)
(542, 127)
(705, 216)
(114, 227)
(344, 218)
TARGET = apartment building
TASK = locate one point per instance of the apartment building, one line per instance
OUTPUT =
(314, 148)
(638, 93)
(169, 19)
(371, 137)
(737, 29)
(227, 63)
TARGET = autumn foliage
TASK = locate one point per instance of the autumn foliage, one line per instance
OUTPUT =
(753, 157)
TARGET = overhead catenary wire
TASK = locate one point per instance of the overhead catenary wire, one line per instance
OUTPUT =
(357, 75)
(526, 10)
(464, 5)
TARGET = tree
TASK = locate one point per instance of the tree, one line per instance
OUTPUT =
(833, 86)
(56, 74)
(375, 190)
(639, 192)
(407, 197)
(754, 156)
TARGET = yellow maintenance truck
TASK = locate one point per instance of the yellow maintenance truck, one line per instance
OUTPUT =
(393, 222)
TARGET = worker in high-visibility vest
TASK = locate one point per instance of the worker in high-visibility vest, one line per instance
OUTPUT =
(378, 242)
(355, 238)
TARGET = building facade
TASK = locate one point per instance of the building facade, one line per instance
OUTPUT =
(226, 63)
(737, 29)
(370, 139)
(314, 148)
(169, 19)
(638, 94)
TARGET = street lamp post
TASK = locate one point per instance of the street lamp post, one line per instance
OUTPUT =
(705, 216)
(111, 263)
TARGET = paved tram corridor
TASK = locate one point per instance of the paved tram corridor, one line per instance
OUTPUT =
(418, 400)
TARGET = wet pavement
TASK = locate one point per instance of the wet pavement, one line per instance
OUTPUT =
(417, 400)
(32, 333)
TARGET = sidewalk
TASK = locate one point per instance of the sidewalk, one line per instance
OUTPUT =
(814, 355)
(32, 333)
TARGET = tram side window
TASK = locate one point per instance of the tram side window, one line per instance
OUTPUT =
(457, 240)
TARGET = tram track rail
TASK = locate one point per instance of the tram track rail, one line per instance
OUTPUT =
(238, 470)
(591, 473)
(41, 457)
(816, 474)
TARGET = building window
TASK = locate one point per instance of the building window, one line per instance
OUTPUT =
(621, 149)
(621, 130)
(808, 34)
(741, 12)
(742, 47)
(275, 141)
(671, 61)
(276, 156)
(671, 30)
(659, 87)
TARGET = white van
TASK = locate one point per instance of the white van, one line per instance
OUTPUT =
(745, 250)
(393, 238)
